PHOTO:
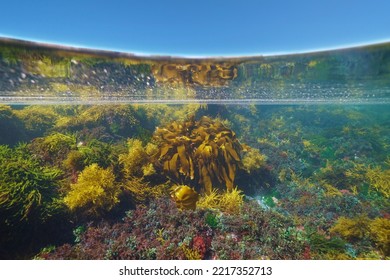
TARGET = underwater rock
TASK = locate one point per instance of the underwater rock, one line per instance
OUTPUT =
(201, 153)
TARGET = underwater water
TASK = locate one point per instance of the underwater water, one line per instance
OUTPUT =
(112, 156)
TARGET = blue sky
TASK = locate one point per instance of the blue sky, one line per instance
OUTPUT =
(198, 28)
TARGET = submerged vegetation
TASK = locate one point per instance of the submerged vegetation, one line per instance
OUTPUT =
(203, 153)
(193, 181)
(95, 191)
(91, 182)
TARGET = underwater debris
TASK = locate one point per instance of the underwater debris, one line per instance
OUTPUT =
(185, 197)
(203, 153)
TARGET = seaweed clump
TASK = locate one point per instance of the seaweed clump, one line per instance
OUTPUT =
(361, 227)
(202, 153)
(227, 202)
(94, 192)
(185, 197)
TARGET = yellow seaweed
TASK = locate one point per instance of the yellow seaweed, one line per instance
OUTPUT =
(229, 202)
(185, 197)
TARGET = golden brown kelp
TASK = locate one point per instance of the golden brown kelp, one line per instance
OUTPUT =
(203, 153)
(184, 197)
